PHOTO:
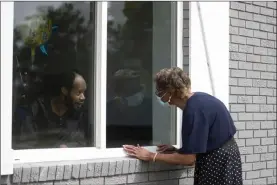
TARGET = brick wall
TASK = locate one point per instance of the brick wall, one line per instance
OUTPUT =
(252, 104)
(253, 87)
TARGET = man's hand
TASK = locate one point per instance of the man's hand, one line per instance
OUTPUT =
(166, 149)
(138, 152)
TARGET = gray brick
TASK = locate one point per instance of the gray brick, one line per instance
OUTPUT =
(232, 46)
(245, 82)
(233, 99)
(240, 142)
(252, 142)
(271, 133)
(267, 75)
(153, 176)
(238, 39)
(17, 175)
(271, 68)
(271, 52)
(34, 177)
(137, 177)
(238, 73)
(266, 27)
(237, 108)
(238, 90)
(112, 167)
(260, 133)
(271, 180)
(90, 170)
(60, 172)
(43, 171)
(105, 168)
(83, 170)
(67, 172)
(92, 181)
(233, 64)
(116, 180)
(233, 81)
(245, 65)
(259, 67)
(51, 175)
(259, 3)
(252, 175)
(97, 169)
(67, 182)
(240, 125)
(259, 165)
(26, 174)
(267, 125)
(272, 84)
(266, 108)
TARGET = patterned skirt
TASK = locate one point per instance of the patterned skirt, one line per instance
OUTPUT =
(221, 166)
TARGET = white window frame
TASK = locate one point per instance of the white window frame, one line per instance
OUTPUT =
(12, 157)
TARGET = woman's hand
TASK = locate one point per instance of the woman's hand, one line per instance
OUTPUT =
(166, 148)
(138, 152)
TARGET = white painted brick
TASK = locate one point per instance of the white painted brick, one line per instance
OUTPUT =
(266, 27)
(271, 116)
(255, 41)
(245, 82)
(245, 65)
(267, 75)
(268, 59)
(259, 165)
(266, 91)
(260, 149)
(271, 36)
(246, 150)
(271, 52)
(246, 49)
(237, 90)
(245, 134)
(267, 124)
(268, 43)
(271, 180)
(260, 133)
(240, 125)
(237, 56)
(259, 99)
(246, 16)
(267, 141)
(245, 99)
(272, 84)
(253, 125)
(260, 18)
(232, 46)
(252, 175)
(271, 100)
(233, 82)
(238, 73)
(259, 3)
(245, 116)
(259, 67)
(271, 165)
(233, 64)
(260, 116)
(267, 108)
(233, 13)
(252, 25)
(266, 11)
(237, 22)
(253, 142)
(232, 98)
(116, 180)
(246, 167)
(267, 157)
(252, 91)
(237, 6)
(271, 20)
(271, 4)
(237, 108)
(240, 142)
(271, 68)
(260, 181)
(271, 133)
(260, 51)
(253, 74)
(266, 173)
(252, 108)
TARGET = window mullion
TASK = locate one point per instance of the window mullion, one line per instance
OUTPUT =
(100, 74)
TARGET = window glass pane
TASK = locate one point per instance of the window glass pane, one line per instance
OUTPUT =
(140, 36)
(52, 74)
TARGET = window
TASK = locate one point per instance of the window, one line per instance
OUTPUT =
(140, 42)
(103, 55)
(52, 75)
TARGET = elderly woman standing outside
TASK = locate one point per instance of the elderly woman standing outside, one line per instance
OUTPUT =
(207, 133)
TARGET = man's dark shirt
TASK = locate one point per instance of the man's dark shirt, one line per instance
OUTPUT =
(39, 127)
